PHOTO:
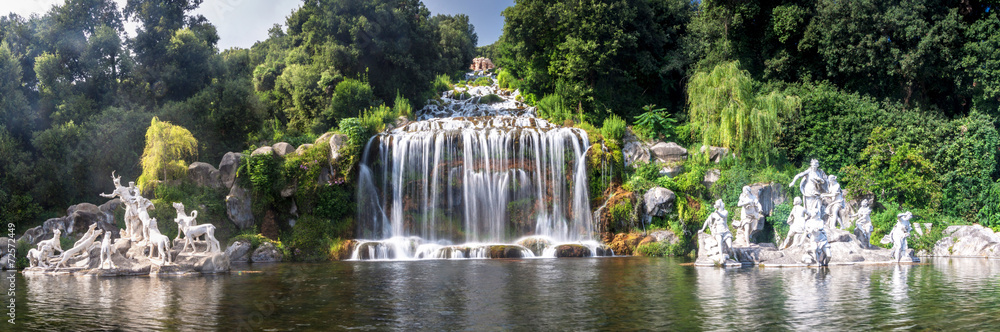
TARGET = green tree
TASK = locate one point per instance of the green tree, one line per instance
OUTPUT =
(616, 55)
(980, 63)
(457, 42)
(893, 172)
(166, 147)
(725, 110)
(14, 109)
(899, 49)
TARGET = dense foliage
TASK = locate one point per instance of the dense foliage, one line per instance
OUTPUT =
(79, 93)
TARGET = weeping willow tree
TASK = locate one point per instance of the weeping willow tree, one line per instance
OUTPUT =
(725, 111)
(166, 147)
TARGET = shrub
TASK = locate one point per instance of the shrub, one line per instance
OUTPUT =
(483, 81)
(613, 128)
(779, 218)
(506, 80)
(553, 108)
(621, 214)
(441, 84)
(251, 236)
(661, 249)
(350, 98)
(654, 123)
(401, 106)
(490, 99)
(310, 239)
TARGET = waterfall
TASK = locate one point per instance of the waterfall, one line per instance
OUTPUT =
(476, 174)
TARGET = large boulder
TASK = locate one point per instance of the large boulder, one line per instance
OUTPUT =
(109, 207)
(337, 142)
(968, 241)
(711, 177)
(672, 169)
(266, 253)
(665, 236)
(204, 175)
(33, 235)
(572, 250)
(303, 148)
(506, 251)
(634, 150)
(536, 244)
(282, 148)
(669, 152)
(81, 216)
(6, 261)
(769, 195)
(715, 153)
(238, 207)
(262, 150)
(214, 262)
(323, 138)
(227, 168)
(6, 243)
(659, 201)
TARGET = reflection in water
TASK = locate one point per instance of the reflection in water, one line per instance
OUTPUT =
(134, 303)
(535, 294)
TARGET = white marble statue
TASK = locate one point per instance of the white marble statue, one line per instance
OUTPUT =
(796, 224)
(812, 186)
(192, 231)
(833, 209)
(90, 231)
(899, 234)
(183, 218)
(751, 215)
(39, 257)
(716, 222)
(134, 225)
(158, 242)
(52, 243)
(863, 223)
(142, 206)
(106, 249)
(821, 245)
(82, 247)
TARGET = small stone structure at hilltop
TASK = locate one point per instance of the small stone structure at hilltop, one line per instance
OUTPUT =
(480, 64)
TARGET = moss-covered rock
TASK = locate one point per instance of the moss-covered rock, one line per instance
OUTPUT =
(572, 250)
(536, 244)
(625, 243)
(506, 251)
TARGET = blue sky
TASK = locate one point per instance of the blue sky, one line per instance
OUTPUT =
(240, 23)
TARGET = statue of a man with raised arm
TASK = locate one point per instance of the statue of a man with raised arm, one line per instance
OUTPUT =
(812, 186)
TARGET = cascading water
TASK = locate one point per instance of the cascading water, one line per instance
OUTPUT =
(473, 173)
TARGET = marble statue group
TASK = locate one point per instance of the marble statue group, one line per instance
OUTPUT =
(818, 212)
(141, 231)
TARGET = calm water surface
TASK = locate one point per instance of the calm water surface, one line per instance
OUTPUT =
(625, 293)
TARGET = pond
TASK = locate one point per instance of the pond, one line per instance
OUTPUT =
(620, 293)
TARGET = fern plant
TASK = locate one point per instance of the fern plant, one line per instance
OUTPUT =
(654, 123)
